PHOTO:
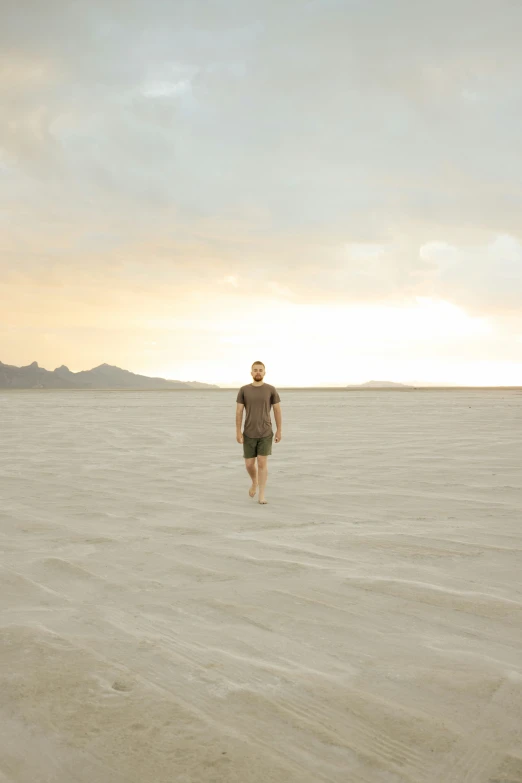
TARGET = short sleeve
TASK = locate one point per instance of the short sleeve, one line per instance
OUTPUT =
(240, 397)
(274, 397)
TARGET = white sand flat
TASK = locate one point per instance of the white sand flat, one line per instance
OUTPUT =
(364, 626)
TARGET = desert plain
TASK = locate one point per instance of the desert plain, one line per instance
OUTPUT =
(157, 624)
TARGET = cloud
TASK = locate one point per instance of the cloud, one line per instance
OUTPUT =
(318, 151)
(481, 278)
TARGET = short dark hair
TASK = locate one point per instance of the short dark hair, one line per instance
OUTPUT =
(259, 363)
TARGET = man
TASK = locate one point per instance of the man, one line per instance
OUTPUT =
(257, 398)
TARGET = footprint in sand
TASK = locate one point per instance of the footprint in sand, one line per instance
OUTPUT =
(121, 685)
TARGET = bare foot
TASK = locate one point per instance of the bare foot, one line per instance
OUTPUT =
(252, 491)
(262, 500)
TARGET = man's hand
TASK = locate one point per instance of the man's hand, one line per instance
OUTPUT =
(239, 437)
(278, 436)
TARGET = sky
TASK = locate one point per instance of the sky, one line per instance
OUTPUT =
(331, 187)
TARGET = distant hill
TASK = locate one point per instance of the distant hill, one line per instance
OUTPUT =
(379, 385)
(103, 377)
(433, 385)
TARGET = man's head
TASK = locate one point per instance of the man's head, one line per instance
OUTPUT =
(257, 371)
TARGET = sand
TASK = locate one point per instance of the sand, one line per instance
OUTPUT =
(157, 624)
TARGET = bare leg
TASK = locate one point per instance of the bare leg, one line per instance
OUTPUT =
(251, 466)
(262, 469)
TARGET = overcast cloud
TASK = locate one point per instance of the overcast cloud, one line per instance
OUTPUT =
(331, 150)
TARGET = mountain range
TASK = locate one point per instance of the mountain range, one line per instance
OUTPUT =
(105, 376)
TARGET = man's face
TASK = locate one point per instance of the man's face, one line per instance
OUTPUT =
(258, 372)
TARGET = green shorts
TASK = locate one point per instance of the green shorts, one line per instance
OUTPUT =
(252, 447)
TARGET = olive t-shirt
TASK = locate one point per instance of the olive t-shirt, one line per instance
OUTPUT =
(258, 401)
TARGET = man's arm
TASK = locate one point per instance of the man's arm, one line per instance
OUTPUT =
(278, 418)
(239, 417)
